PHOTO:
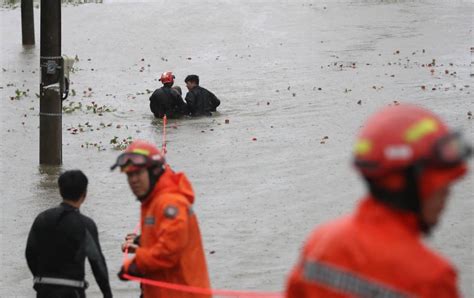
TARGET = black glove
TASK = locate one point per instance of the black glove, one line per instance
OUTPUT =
(120, 274)
(132, 270)
(137, 240)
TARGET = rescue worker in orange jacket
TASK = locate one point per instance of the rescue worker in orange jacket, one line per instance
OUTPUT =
(169, 248)
(409, 159)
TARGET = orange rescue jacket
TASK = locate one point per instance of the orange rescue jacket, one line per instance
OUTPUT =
(171, 248)
(376, 252)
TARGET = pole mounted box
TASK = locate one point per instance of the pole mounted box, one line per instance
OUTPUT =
(56, 70)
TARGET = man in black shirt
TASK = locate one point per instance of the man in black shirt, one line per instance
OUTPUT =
(167, 100)
(200, 101)
(60, 240)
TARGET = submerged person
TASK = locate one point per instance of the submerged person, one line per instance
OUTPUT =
(167, 100)
(169, 248)
(409, 159)
(200, 101)
(60, 240)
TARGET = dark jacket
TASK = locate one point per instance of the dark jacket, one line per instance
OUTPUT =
(58, 243)
(201, 101)
(167, 101)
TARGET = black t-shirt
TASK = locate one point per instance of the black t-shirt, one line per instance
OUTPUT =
(58, 243)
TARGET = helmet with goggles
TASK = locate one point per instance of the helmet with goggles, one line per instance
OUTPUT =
(139, 154)
(406, 146)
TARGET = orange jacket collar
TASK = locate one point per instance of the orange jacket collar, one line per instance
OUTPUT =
(172, 182)
(397, 221)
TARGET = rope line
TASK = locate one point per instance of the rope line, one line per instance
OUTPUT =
(163, 145)
(202, 291)
(191, 289)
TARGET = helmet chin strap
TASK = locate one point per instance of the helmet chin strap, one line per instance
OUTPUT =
(154, 173)
(406, 199)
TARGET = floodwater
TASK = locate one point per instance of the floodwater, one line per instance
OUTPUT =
(290, 75)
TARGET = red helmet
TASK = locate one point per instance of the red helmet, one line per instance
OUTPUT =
(167, 77)
(139, 154)
(402, 136)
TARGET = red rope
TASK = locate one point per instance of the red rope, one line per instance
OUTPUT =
(163, 146)
(194, 290)
(202, 291)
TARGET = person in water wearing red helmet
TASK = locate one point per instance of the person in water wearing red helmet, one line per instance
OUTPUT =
(167, 100)
(169, 248)
(409, 159)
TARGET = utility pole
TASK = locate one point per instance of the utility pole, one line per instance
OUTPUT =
(51, 76)
(27, 22)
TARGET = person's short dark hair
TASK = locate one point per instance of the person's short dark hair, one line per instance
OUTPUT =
(192, 79)
(72, 185)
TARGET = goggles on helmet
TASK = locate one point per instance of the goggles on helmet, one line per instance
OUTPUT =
(138, 160)
(449, 151)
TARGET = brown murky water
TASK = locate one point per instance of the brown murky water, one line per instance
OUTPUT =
(289, 73)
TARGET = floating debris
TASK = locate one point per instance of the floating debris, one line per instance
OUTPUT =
(120, 144)
(19, 94)
(96, 109)
(72, 106)
(98, 146)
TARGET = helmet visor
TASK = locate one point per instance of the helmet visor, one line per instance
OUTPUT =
(134, 159)
(450, 151)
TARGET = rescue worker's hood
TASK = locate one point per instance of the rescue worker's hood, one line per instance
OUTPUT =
(171, 182)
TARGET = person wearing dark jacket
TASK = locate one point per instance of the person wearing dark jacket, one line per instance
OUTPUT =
(60, 240)
(200, 101)
(167, 100)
